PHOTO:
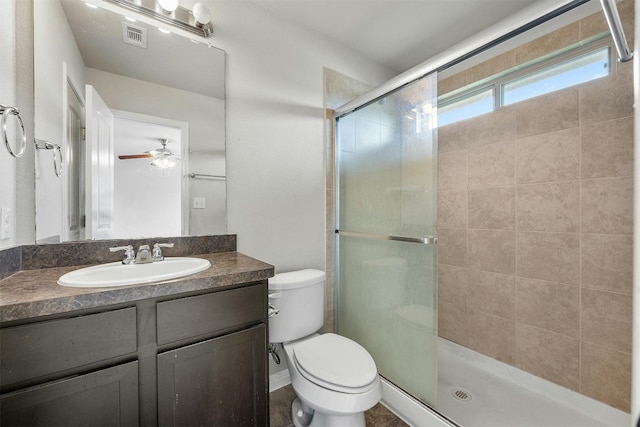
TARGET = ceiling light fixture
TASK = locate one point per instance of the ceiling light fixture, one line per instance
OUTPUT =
(164, 157)
(201, 15)
(164, 162)
(170, 12)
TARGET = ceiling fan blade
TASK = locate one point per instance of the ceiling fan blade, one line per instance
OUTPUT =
(136, 156)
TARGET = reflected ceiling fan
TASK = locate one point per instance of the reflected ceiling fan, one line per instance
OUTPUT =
(162, 157)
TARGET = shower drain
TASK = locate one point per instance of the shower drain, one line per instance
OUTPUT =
(461, 394)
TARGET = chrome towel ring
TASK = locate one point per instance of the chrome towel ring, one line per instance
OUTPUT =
(57, 153)
(12, 111)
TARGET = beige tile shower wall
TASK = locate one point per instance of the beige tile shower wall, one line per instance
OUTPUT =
(535, 226)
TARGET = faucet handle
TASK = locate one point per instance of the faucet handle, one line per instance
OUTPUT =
(157, 251)
(129, 254)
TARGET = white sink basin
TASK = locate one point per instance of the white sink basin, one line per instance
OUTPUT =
(118, 274)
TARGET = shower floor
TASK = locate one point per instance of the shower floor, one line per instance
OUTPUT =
(502, 396)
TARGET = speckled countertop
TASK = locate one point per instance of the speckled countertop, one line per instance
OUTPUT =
(33, 293)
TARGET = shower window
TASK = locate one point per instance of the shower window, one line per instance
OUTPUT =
(466, 106)
(575, 71)
(562, 70)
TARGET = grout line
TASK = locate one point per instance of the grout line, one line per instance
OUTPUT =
(517, 362)
(580, 386)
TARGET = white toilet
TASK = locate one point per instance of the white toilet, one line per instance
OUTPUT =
(334, 378)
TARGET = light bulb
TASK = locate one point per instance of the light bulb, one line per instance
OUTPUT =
(201, 14)
(168, 6)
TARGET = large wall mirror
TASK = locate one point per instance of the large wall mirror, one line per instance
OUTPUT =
(130, 125)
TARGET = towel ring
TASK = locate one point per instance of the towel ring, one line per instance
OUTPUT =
(6, 111)
(57, 154)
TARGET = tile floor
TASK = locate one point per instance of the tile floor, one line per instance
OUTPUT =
(280, 411)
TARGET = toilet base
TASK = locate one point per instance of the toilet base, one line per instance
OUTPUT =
(303, 416)
(300, 415)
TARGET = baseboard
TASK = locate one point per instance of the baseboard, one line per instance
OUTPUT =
(279, 380)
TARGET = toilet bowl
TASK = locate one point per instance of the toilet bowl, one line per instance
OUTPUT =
(335, 379)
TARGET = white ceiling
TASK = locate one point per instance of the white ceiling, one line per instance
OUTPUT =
(396, 33)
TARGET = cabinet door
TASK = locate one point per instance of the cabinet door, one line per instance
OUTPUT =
(35, 352)
(108, 397)
(218, 382)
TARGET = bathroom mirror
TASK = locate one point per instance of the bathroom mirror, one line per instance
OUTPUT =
(115, 93)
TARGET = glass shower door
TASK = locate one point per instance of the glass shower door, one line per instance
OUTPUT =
(386, 213)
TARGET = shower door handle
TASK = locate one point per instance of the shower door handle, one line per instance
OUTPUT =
(428, 240)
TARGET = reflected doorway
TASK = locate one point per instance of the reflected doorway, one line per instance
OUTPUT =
(149, 200)
(74, 216)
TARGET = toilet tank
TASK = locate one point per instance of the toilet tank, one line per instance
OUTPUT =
(299, 297)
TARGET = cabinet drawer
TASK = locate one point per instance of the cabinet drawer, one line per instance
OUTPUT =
(38, 349)
(206, 314)
(104, 398)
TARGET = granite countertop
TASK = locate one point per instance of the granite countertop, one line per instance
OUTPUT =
(33, 293)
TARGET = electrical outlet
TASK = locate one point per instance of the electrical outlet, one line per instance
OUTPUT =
(198, 203)
(5, 223)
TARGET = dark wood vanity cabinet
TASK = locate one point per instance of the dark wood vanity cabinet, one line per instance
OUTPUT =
(224, 367)
(196, 360)
(220, 379)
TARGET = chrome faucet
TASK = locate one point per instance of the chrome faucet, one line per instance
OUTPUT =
(157, 251)
(129, 254)
(144, 255)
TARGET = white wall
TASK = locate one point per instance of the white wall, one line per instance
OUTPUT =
(8, 97)
(275, 128)
(16, 89)
(54, 44)
(275, 146)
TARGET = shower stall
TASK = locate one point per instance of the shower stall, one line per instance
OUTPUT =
(484, 223)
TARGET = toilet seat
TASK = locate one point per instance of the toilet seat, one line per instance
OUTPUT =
(336, 363)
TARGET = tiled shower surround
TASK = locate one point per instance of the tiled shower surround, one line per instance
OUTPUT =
(535, 225)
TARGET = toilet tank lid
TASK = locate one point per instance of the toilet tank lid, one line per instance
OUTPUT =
(296, 279)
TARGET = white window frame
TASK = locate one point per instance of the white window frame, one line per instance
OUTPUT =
(497, 81)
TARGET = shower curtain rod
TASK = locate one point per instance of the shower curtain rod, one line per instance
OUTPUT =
(496, 34)
(617, 32)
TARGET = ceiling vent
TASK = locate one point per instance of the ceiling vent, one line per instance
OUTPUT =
(134, 35)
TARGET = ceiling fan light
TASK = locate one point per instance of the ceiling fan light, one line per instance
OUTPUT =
(164, 162)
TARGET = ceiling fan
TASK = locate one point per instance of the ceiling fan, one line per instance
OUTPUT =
(162, 157)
